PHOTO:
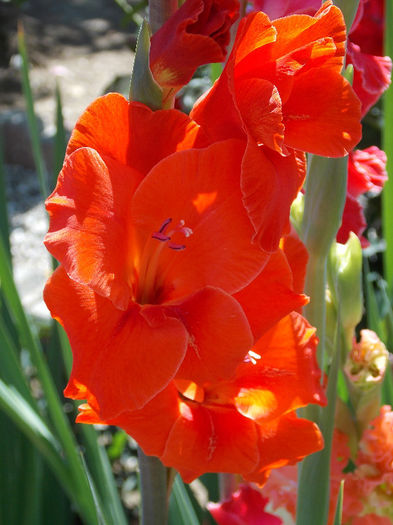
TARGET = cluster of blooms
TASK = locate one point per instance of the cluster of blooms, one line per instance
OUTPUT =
(179, 279)
(362, 457)
(367, 475)
(372, 72)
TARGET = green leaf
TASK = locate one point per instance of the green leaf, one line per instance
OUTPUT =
(181, 510)
(4, 225)
(34, 427)
(215, 71)
(373, 317)
(339, 508)
(96, 456)
(30, 341)
(31, 116)
(60, 138)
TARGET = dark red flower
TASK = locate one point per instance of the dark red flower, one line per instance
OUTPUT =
(197, 33)
(245, 507)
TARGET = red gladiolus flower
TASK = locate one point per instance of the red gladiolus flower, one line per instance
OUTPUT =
(366, 172)
(153, 263)
(371, 77)
(197, 33)
(372, 71)
(282, 91)
(245, 507)
(368, 28)
(245, 425)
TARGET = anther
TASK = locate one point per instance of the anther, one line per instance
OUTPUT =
(174, 246)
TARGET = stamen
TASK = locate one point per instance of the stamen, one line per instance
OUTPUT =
(165, 224)
(174, 246)
(160, 236)
(163, 236)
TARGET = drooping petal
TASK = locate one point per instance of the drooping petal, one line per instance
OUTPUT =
(270, 296)
(197, 33)
(285, 441)
(270, 183)
(208, 111)
(88, 222)
(372, 75)
(207, 201)
(285, 376)
(219, 332)
(259, 103)
(353, 220)
(208, 440)
(149, 426)
(319, 120)
(123, 358)
(297, 257)
(124, 131)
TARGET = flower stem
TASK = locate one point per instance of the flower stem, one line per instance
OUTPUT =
(227, 485)
(153, 486)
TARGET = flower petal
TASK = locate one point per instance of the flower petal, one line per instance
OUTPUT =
(149, 426)
(122, 358)
(207, 440)
(286, 368)
(88, 222)
(319, 120)
(270, 296)
(200, 189)
(123, 131)
(285, 440)
(220, 335)
(270, 183)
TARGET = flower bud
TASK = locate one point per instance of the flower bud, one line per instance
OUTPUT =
(143, 86)
(345, 283)
(365, 369)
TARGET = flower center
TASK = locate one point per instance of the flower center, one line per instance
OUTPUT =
(150, 270)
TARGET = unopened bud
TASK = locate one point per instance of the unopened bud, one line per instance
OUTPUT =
(345, 283)
(367, 362)
(365, 370)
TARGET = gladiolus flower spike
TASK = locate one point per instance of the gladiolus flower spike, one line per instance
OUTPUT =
(181, 327)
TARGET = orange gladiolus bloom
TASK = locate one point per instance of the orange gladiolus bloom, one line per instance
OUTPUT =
(245, 425)
(153, 259)
(282, 91)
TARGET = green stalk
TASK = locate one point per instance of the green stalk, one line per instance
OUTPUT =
(387, 141)
(153, 486)
(314, 474)
(227, 485)
(323, 206)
